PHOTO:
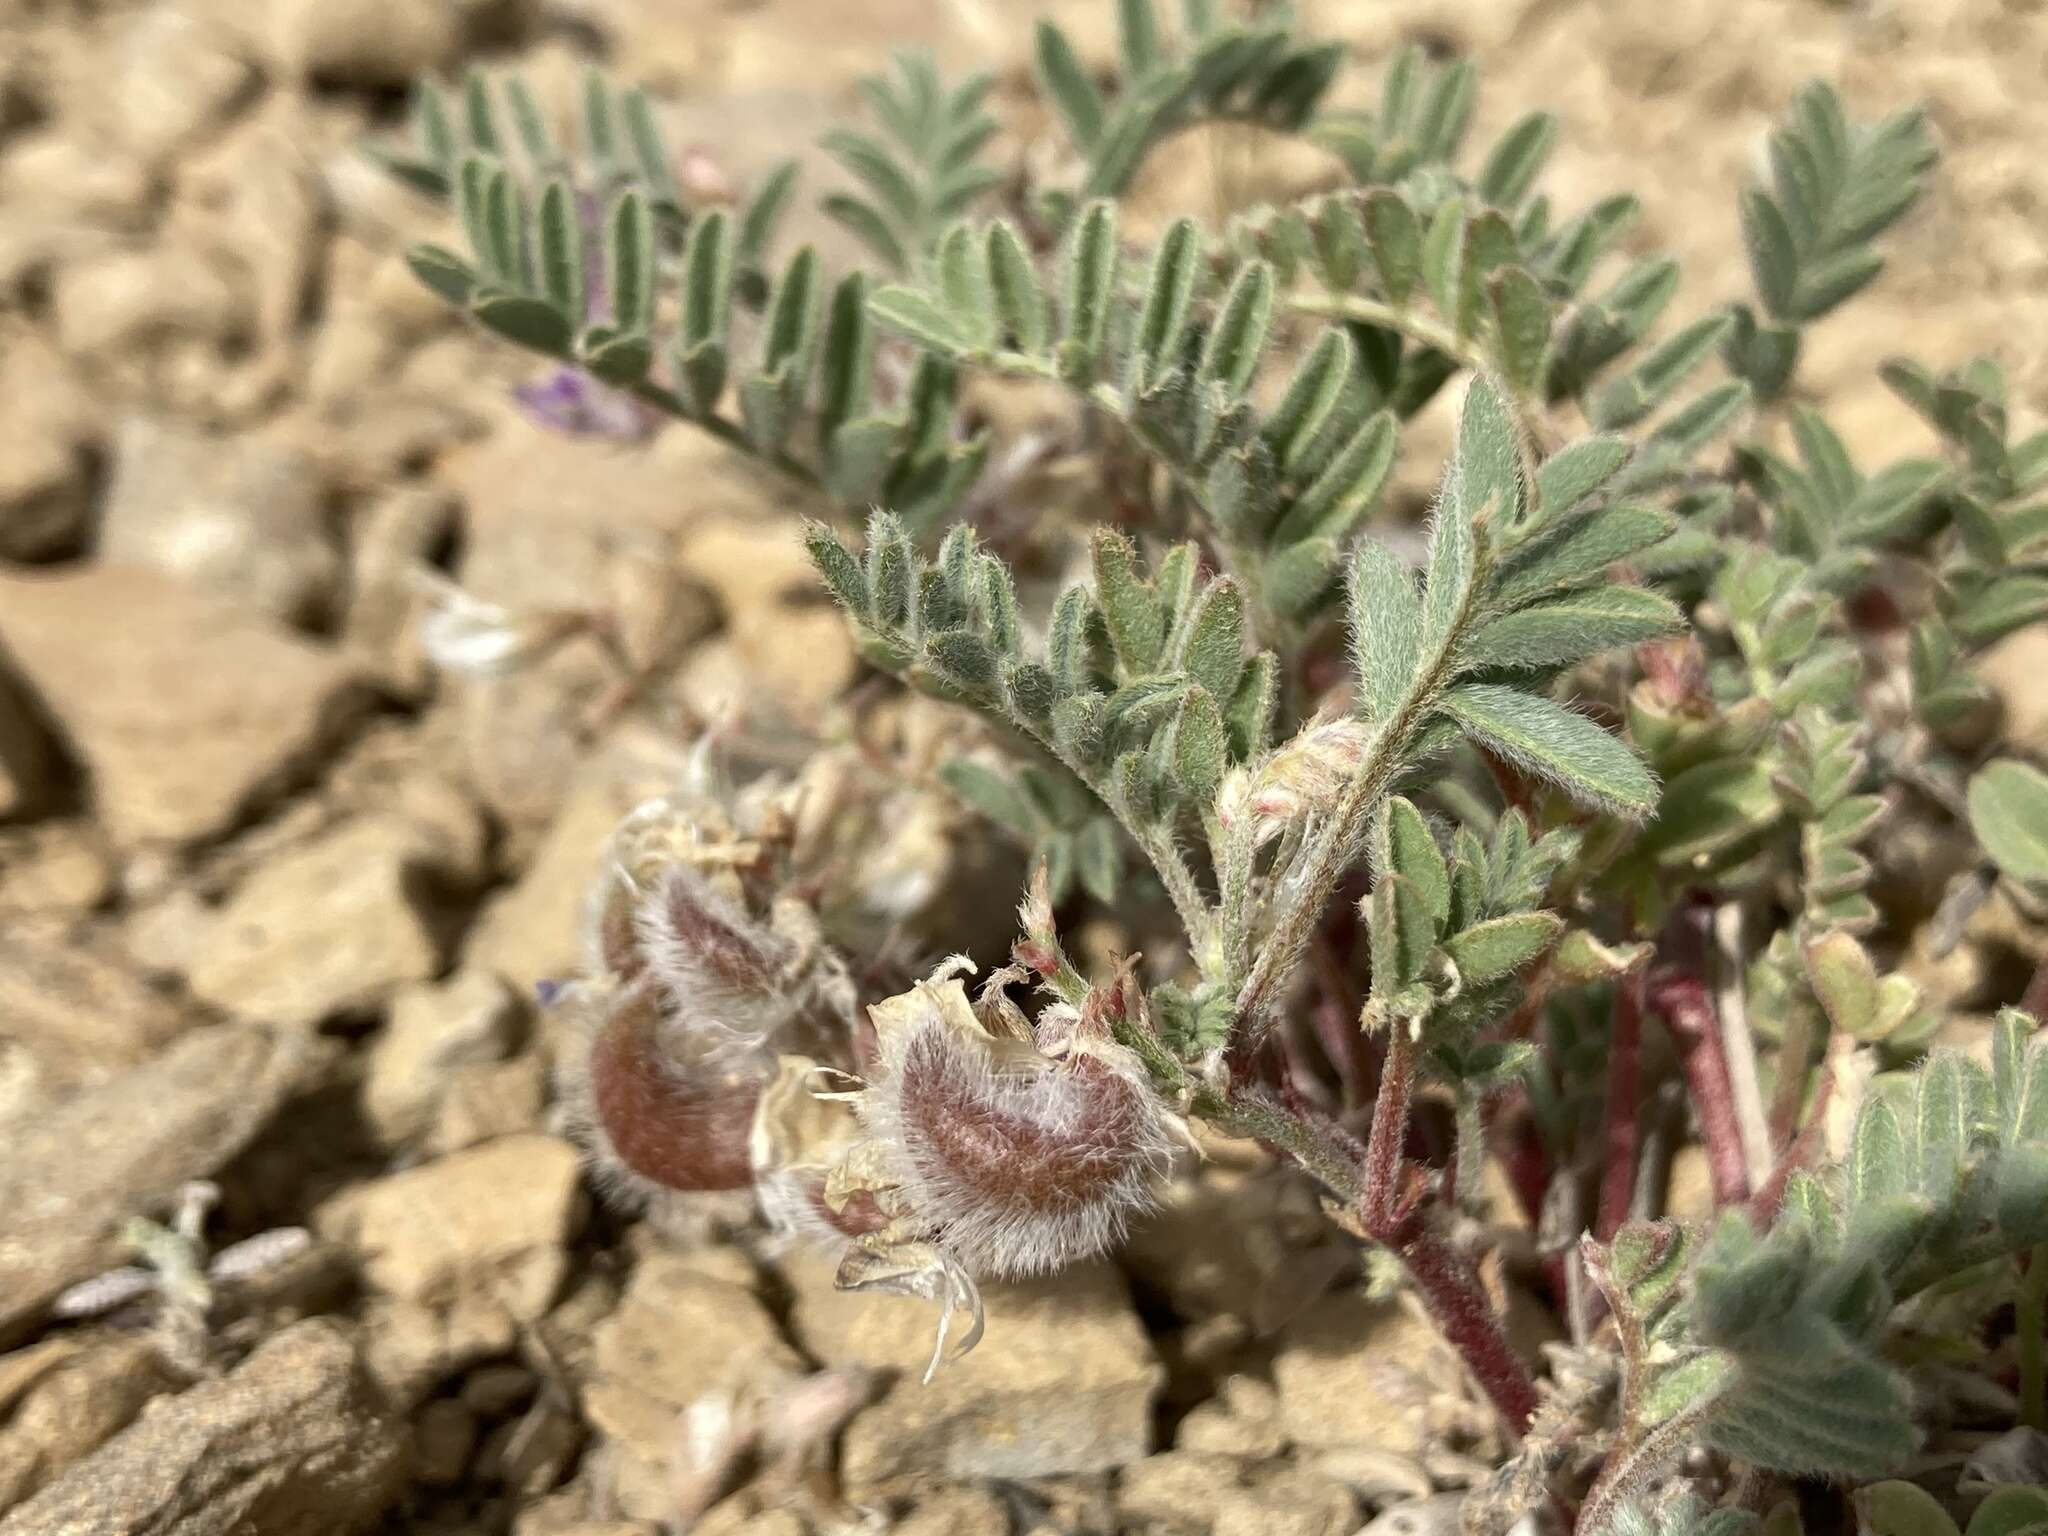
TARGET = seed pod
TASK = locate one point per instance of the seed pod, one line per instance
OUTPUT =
(1013, 1161)
(653, 1121)
(712, 958)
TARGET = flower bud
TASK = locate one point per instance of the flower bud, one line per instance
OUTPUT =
(1306, 775)
(1011, 1160)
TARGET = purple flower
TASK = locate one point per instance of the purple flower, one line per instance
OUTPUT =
(572, 402)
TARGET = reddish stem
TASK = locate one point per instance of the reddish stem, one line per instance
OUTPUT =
(1687, 1008)
(1449, 1287)
(1764, 1208)
(1621, 1137)
(1389, 1130)
(1455, 1299)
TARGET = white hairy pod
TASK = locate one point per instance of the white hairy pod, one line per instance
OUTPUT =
(1013, 1161)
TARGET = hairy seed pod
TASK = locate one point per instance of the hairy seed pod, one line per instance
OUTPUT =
(1015, 1162)
(713, 958)
(651, 1119)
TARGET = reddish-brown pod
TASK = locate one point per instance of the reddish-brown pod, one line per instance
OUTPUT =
(656, 1120)
(1014, 1161)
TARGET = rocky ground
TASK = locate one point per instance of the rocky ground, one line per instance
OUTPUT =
(274, 899)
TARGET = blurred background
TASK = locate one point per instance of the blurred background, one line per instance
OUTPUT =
(276, 900)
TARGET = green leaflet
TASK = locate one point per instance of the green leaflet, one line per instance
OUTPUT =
(1557, 745)
(1576, 549)
(1386, 628)
(1409, 849)
(1501, 946)
(2008, 803)
(1559, 631)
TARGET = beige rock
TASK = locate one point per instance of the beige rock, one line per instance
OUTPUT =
(434, 1031)
(1243, 1419)
(1237, 1237)
(53, 867)
(532, 932)
(290, 1441)
(75, 1173)
(533, 1521)
(109, 303)
(2014, 668)
(547, 514)
(746, 1514)
(492, 1220)
(244, 517)
(384, 42)
(1177, 1490)
(187, 710)
(64, 176)
(1436, 1515)
(352, 355)
(955, 1512)
(1352, 1372)
(483, 1102)
(331, 927)
(533, 1453)
(678, 1336)
(1288, 1501)
(1689, 1189)
(526, 737)
(255, 200)
(444, 1435)
(1062, 1383)
(783, 641)
(396, 771)
(47, 435)
(61, 1399)
(1377, 1477)
(31, 764)
(79, 1012)
(400, 533)
(169, 81)
(410, 1347)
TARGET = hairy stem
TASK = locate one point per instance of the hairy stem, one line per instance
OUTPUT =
(1358, 310)
(1679, 993)
(1687, 1009)
(1455, 1299)
(1631, 1468)
(1389, 1131)
(669, 403)
(1621, 1135)
(1189, 904)
(1366, 1183)
(1338, 843)
(1804, 1145)
(1738, 1044)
